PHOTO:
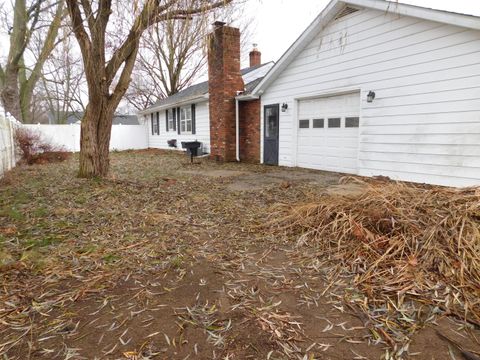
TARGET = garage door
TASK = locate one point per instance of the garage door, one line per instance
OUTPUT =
(328, 133)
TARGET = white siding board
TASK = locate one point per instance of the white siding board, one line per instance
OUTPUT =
(423, 119)
(448, 129)
(361, 48)
(424, 159)
(350, 77)
(424, 124)
(390, 82)
(427, 169)
(396, 58)
(436, 139)
(444, 86)
(425, 149)
(420, 177)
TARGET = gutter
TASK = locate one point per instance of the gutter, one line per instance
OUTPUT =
(247, 97)
(239, 98)
(237, 131)
(191, 100)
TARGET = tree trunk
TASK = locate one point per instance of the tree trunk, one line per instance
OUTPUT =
(100, 74)
(95, 139)
(10, 94)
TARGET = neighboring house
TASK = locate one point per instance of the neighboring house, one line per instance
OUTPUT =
(370, 88)
(76, 118)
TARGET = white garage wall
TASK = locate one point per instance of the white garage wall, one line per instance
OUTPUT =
(202, 122)
(424, 125)
(124, 137)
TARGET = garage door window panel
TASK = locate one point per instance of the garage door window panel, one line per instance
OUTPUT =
(304, 124)
(352, 122)
(318, 123)
(334, 122)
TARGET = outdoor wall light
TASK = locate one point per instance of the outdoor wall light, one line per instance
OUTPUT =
(284, 107)
(371, 96)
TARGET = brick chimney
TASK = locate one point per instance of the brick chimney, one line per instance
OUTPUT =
(255, 56)
(224, 81)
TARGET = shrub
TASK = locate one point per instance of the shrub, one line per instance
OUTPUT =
(35, 150)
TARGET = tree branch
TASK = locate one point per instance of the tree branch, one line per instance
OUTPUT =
(48, 45)
(87, 8)
(2, 76)
(149, 15)
(78, 29)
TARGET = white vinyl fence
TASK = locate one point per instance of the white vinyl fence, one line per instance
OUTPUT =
(7, 147)
(124, 137)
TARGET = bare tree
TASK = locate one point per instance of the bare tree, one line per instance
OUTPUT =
(173, 54)
(17, 79)
(63, 81)
(108, 80)
(170, 58)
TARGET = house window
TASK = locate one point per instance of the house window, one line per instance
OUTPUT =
(334, 122)
(304, 124)
(318, 123)
(352, 122)
(155, 123)
(186, 119)
(170, 120)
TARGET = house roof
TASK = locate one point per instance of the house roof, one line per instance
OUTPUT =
(200, 90)
(336, 6)
(76, 117)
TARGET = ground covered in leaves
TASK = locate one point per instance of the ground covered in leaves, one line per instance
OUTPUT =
(171, 260)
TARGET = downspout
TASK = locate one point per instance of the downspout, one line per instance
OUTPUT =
(237, 132)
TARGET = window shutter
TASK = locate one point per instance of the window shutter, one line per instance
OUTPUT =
(174, 119)
(151, 121)
(158, 123)
(178, 120)
(193, 119)
(166, 120)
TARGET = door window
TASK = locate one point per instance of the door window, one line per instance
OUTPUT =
(271, 123)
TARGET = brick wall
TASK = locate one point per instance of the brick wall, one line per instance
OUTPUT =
(255, 57)
(225, 80)
(250, 131)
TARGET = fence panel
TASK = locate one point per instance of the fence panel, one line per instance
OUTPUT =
(7, 147)
(124, 137)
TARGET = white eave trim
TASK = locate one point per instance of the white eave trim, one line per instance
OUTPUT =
(192, 100)
(461, 20)
(247, 97)
(442, 16)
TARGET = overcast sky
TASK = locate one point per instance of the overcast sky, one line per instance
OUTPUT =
(278, 23)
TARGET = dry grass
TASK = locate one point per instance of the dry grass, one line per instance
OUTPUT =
(161, 262)
(412, 251)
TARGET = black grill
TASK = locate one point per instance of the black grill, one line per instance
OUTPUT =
(192, 148)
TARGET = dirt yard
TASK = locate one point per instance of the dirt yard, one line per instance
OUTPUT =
(168, 260)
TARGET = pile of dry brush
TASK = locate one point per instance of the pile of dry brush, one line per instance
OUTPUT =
(34, 149)
(398, 241)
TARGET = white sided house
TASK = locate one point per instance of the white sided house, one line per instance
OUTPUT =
(185, 116)
(376, 88)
